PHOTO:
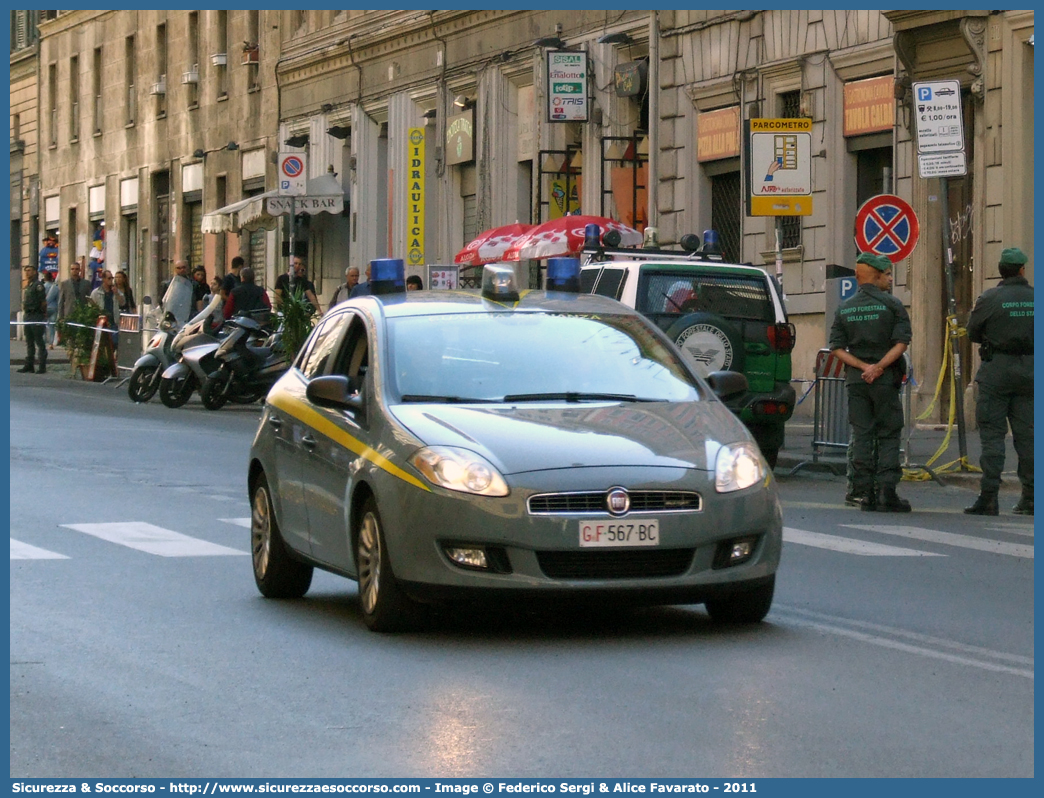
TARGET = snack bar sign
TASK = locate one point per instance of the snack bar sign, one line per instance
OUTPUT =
(566, 86)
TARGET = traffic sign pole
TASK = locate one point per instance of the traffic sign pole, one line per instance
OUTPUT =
(951, 326)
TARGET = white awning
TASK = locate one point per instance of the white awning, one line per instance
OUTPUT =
(323, 195)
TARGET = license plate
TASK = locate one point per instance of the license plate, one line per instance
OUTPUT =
(608, 534)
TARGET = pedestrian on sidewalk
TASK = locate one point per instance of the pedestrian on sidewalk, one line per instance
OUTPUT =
(870, 333)
(231, 279)
(34, 314)
(108, 300)
(1002, 324)
(344, 290)
(52, 289)
(72, 291)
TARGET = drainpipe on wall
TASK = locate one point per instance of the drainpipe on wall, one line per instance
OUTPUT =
(652, 191)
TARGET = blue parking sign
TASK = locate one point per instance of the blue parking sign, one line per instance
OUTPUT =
(847, 287)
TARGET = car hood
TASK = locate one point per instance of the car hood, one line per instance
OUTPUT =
(520, 438)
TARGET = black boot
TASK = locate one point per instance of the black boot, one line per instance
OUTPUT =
(1025, 505)
(868, 500)
(42, 369)
(26, 369)
(888, 501)
(985, 504)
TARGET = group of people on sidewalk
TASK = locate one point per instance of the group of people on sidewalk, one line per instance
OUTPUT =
(870, 333)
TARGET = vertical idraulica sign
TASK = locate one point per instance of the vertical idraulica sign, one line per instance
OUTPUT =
(415, 198)
(566, 86)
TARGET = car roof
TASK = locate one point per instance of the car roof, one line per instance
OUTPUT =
(433, 303)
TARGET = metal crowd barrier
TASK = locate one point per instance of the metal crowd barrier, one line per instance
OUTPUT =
(830, 427)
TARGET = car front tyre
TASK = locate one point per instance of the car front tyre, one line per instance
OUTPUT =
(748, 606)
(277, 575)
(385, 608)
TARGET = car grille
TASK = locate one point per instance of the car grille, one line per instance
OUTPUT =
(594, 502)
(614, 564)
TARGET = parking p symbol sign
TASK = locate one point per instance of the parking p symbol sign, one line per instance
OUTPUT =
(847, 287)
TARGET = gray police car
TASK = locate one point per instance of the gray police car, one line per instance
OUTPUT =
(438, 445)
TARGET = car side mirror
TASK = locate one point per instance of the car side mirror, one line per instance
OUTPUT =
(727, 383)
(335, 391)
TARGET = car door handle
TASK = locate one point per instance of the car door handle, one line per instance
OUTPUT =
(309, 442)
(275, 422)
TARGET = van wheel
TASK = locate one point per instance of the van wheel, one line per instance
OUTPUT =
(277, 575)
(748, 606)
(708, 343)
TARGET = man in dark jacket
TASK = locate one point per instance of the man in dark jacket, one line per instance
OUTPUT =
(34, 314)
(246, 296)
(1002, 324)
(73, 291)
(871, 330)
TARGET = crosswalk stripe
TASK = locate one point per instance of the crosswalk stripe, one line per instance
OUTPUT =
(154, 539)
(950, 539)
(23, 551)
(243, 522)
(849, 545)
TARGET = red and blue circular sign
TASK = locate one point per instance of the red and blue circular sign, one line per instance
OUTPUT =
(887, 225)
(292, 166)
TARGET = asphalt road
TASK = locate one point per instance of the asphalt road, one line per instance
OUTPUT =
(897, 646)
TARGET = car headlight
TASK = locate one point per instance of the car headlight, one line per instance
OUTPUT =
(459, 469)
(739, 465)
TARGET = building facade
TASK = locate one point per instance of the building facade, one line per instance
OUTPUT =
(439, 124)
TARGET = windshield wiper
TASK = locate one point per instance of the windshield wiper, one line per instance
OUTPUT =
(449, 400)
(575, 396)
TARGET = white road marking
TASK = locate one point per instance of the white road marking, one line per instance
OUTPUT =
(243, 522)
(975, 656)
(849, 545)
(23, 551)
(1011, 529)
(950, 539)
(154, 539)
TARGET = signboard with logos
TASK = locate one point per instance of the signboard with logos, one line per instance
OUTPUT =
(415, 197)
(779, 167)
(460, 138)
(718, 134)
(293, 173)
(445, 278)
(940, 129)
(869, 106)
(566, 86)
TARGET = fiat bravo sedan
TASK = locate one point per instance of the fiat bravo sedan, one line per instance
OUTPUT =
(437, 446)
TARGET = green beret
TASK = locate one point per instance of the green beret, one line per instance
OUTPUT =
(879, 262)
(1013, 255)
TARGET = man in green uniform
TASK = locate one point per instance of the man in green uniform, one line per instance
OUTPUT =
(1002, 324)
(871, 330)
(34, 313)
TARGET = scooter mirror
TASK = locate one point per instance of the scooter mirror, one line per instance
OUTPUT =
(147, 301)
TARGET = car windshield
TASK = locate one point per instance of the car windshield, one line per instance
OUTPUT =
(528, 357)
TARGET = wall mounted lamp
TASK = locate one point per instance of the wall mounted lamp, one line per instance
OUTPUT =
(463, 101)
(615, 38)
(326, 107)
(300, 140)
(553, 42)
(431, 113)
(339, 131)
(232, 146)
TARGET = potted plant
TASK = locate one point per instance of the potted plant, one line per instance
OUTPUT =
(77, 336)
(251, 53)
(297, 320)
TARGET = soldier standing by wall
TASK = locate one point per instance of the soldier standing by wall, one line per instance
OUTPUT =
(871, 330)
(1002, 324)
(34, 313)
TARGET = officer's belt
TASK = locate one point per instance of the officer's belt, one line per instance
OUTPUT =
(1016, 349)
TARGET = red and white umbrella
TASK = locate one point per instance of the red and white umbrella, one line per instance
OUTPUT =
(490, 246)
(565, 236)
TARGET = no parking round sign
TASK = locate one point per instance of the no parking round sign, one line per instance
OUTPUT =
(886, 225)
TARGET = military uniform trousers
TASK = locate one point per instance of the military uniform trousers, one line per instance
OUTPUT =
(34, 340)
(876, 415)
(1000, 403)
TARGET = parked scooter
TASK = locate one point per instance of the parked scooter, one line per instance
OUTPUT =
(193, 348)
(148, 369)
(248, 365)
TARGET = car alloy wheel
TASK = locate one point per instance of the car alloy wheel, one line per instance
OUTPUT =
(385, 608)
(277, 575)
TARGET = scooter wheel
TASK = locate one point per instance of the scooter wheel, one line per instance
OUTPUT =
(213, 392)
(174, 393)
(142, 385)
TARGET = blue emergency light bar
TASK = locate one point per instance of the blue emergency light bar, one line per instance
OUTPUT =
(387, 276)
(563, 274)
